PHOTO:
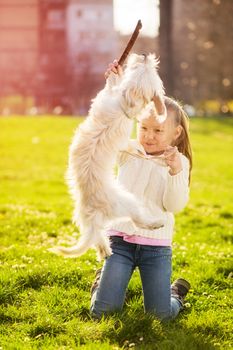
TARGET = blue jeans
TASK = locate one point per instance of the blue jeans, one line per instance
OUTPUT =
(154, 263)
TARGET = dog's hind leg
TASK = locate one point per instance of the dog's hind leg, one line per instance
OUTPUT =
(103, 246)
(128, 205)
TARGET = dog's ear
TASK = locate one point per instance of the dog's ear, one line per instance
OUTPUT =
(129, 96)
(160, 108)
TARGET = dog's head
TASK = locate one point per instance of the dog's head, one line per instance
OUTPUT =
(142, 84)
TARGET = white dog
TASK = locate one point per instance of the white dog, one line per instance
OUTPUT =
(98, 198)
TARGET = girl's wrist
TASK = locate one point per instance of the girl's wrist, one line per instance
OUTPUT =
(175, 171)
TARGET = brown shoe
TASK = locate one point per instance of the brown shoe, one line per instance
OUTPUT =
(179, 289)
(95, 284)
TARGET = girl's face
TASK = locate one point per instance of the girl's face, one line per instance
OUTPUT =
(155, 137)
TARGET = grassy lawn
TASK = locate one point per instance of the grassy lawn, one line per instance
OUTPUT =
(44, 299)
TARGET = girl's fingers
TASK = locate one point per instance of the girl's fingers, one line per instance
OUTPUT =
(109, 71)
(172, 151)
(113, 67)
(113, 64)
(170, 160)
(106, 74)
(119, 70)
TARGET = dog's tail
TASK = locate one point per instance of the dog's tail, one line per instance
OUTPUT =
(92, 237)
(70, 252)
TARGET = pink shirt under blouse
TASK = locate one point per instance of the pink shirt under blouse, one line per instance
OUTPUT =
(140, 240)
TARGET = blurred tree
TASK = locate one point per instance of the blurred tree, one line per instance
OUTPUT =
(196, 49)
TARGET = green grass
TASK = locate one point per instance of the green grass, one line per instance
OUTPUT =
(45, 299)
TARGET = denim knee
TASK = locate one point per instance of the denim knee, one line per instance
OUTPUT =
(100, 308)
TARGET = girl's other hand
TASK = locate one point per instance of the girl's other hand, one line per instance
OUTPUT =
(113, 67)
(173, 160)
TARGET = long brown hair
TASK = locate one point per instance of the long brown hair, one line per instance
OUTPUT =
(181, 118)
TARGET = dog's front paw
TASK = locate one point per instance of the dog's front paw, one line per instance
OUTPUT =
(154, 225)
(150, 224)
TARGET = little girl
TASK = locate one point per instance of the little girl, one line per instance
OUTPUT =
(163, 188)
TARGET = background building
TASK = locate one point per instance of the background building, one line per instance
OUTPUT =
(92, 44)
(54, 51)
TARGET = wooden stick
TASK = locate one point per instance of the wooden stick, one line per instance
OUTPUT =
(130, 43)
(159, 159)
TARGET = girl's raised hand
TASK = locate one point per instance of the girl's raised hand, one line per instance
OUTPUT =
(173, 159)
(113, 67)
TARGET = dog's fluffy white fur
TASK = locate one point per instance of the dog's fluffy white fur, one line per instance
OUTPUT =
(97, 196)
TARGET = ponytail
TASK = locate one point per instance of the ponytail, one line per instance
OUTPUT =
(181, 118)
